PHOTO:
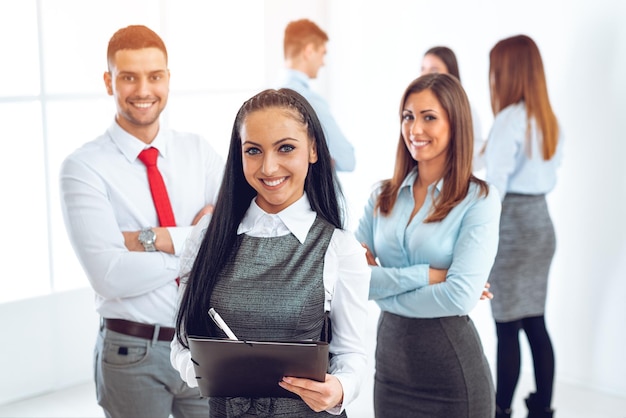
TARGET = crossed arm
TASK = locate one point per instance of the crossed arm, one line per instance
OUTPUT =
(163, 241)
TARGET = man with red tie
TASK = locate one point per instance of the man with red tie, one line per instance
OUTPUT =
(129, 200)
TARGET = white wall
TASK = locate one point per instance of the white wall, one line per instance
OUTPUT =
(375, 51)
(47, 343)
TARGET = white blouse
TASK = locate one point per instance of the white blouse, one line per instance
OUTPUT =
(346, 284)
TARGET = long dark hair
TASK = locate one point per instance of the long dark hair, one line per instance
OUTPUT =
(457, 174)
(220, 241)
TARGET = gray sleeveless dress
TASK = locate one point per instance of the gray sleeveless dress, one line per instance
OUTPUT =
(273, 289)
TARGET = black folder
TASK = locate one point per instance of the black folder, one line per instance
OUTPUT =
(231, 368)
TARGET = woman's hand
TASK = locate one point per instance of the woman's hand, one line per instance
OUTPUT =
(486, 293)
(319, 396)
(204, 211)
(369, 255)
(436, 275)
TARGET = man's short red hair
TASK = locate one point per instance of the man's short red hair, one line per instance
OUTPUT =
(134, 37)
(300, 33)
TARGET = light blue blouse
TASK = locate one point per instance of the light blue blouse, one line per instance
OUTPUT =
(509, 165)
(464, 243)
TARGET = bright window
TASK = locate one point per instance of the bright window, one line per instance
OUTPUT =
(52, 100)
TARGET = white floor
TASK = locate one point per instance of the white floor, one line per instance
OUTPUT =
(79, 401)
(570, 401)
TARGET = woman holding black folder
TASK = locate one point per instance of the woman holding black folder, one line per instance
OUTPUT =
(431, 232)
(274, 260)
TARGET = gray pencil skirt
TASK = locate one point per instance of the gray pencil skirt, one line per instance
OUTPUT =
(519, 277)
(431, 368)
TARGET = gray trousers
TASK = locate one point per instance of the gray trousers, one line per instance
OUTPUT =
(134, 378)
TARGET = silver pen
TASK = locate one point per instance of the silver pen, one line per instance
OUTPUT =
(221, 324)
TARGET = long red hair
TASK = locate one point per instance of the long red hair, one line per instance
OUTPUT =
(516, 74)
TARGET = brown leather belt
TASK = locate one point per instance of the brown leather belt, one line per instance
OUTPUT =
(137, 329)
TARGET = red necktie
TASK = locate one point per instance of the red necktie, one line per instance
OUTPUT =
(157, 187)
(158, 190)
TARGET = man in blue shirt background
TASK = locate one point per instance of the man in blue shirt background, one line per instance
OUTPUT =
(304, 49)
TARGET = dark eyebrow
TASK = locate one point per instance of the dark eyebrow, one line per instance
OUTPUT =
(274, 143)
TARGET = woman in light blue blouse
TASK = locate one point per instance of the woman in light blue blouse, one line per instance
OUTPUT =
(523, 153)
(431, 232)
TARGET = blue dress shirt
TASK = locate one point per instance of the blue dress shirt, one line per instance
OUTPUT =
(464, 242)
(341, 150)
(509, 165)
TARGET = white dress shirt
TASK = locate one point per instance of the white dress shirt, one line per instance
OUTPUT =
(346, 284)
(105, 191)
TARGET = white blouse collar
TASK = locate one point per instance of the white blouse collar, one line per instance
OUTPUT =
(297, 219)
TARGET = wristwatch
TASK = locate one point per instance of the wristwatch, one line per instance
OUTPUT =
(147, 237)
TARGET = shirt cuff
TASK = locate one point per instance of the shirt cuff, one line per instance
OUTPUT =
(179, 235)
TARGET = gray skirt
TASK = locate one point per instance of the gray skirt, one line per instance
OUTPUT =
(519, 277)
(431, 368)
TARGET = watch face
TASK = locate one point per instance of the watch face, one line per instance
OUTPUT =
(146, 238)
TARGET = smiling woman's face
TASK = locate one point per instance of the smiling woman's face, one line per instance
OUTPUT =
(426, 128)
(276, 153)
